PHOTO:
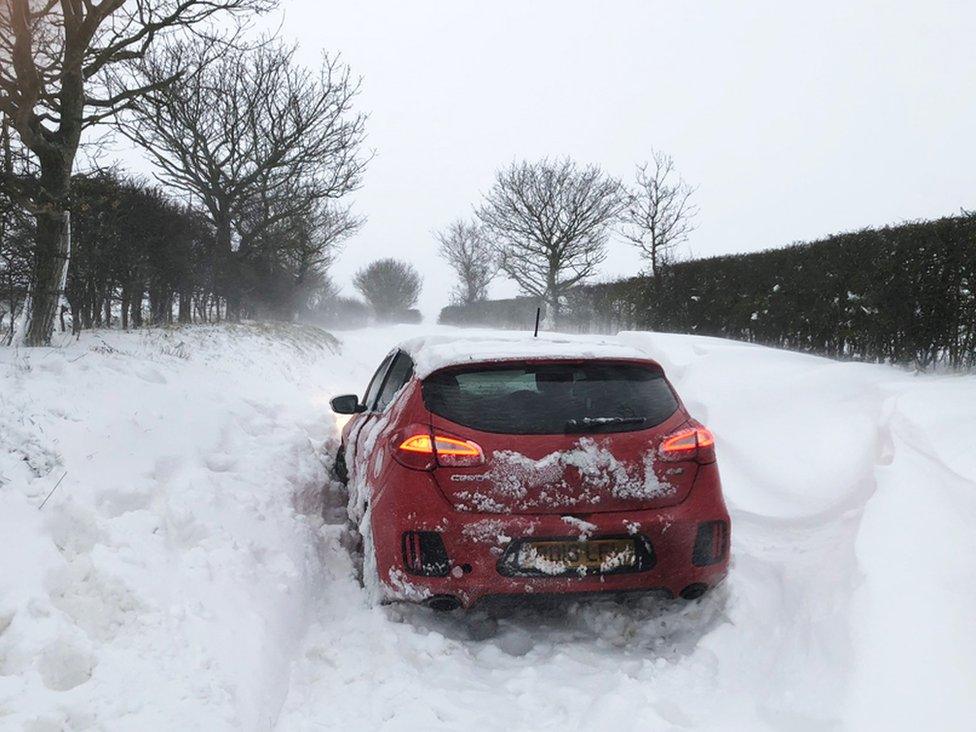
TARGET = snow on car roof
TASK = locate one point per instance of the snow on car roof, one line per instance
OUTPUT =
(431, 353)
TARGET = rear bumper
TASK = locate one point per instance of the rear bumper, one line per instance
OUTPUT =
(475, 542)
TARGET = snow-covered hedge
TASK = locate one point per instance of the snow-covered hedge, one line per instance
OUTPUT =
(902, 294)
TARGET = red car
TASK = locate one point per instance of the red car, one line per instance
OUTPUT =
(481, 468)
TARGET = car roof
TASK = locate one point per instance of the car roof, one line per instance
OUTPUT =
(432, 353)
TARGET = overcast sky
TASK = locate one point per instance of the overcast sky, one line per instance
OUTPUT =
(794, 120)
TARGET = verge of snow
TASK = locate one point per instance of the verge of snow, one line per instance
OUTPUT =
(167, 581)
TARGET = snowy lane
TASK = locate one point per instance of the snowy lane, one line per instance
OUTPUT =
(808, 633)
(182, 576)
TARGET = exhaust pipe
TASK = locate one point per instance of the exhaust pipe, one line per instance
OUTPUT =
(694, 591)
(443, 603)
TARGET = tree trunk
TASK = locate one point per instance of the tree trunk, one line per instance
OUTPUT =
(550, 310)
(551, 296)
(136, 306)
(185, 308)
(156, 307)
(125, 310)
(225, 268)
(51, 254)
(75, 319)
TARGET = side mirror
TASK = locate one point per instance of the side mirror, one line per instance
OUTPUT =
(347, 404)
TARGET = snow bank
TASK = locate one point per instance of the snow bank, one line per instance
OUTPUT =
(166, 581)
(853, 490)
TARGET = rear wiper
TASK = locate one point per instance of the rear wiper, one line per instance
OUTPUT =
(588, 423)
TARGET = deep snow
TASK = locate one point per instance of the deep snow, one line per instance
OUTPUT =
(189, 572)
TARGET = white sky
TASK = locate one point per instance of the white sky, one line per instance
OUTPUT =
(795, 120)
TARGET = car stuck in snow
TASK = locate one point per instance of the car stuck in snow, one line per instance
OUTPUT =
(506, 466)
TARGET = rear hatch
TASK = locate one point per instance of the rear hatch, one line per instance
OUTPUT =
(565, 437)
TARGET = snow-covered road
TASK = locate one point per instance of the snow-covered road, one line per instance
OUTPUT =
(181, 576)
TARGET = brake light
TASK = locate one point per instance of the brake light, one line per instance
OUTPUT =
(418, 443)
(442, 445)
(693, 443)
(423, 450)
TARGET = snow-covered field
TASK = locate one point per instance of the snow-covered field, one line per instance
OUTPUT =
(190, 569)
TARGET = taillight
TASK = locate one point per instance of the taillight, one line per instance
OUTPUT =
(422, 444)
(423, 450)
(454, 452)
(692, 443)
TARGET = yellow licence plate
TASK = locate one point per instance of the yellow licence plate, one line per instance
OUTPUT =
(596, 554)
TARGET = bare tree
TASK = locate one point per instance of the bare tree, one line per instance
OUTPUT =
(249, 132)
(550, 220)
(659, 214)
(390, 286)
(286, 264)
(470, 254)
(53, 55)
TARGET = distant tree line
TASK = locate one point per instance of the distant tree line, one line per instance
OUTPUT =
(901, 294)
(141, 257)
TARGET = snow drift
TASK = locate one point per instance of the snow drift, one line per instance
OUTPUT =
(184, 575)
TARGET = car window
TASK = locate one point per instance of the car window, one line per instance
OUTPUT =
(539, 399)
(400, 373)
(376, 382)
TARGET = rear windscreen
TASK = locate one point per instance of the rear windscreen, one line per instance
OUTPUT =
(547, 399)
